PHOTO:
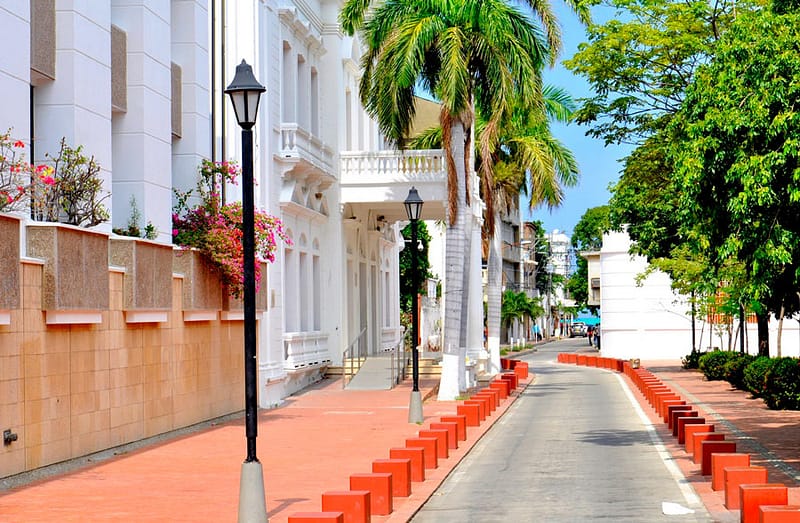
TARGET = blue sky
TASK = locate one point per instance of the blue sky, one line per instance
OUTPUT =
(599, 165)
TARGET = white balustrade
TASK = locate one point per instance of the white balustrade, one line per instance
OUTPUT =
(423, 165)
(305, 349)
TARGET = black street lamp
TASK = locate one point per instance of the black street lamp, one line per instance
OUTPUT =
(413, 205)
(245, 92)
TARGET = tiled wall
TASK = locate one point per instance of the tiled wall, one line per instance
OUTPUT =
(70, 390)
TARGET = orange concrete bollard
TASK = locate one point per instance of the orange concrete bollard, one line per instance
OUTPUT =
(698, 439)
(512, 379)
(751, 497)
(429, 445)
(672, 409)
(483, 403)
(581, 360)
(682, 422)
(492, 393)
(720, 461)
(316, 517)
(491, 405)
(501, 386)
(441, 444)
(691, 430)
(452, 432)
(461, 424)
(659, 396)
(523, 367)
(354, 504)
(472, 412)
(735, 476)
(680, 414)
(417, 457)
(707, 448)
(662, 400)
(779, 513)
(400, 469)
(669, 403)
(620, 366)
(652, 392)
(379, 485)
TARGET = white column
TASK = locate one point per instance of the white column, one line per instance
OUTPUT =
(142, 136)
(190, 47)
(15, 69)
(77, 105)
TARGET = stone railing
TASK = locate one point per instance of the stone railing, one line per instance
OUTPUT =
(297, 143)
(419, 165)
(305, 349)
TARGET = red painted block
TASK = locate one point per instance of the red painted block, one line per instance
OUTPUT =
(400, 469)
(658, 395)
(490, 404)
(572, 358)
(690, 430)
(582, 360)
(752, 497)
(779, 513)
(662, 399)
(682, 422)
(501, 386)
(461, 424)
(379, 485)
(505, 363)
(417, 457)
(483, 406)
(452, 432)
(430, 458)
(672, 409)
(316, 517)
(669, 403)
(698, 439)
(522, 369)
(652, 392)
(736, 476)
(472, 412)
(720, 461)
(494, 394)
(680, 414)
(441, 443)
(354, 504)
(707, 448)
(512, 378)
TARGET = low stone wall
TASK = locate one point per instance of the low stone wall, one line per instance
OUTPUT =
(71, 389)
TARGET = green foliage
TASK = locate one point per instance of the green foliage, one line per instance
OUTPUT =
(692, 360)
(407, 274)
(783, 384)
(133, 229)
(517, 306)
(735, 149)
(734, 369)
(755, 375)
(641, 60)
(587, 236)
(712, 363)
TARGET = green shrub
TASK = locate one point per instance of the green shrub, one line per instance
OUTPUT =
(713, 363)
(755, 375)
(692, 360)
(783, 384)
(734, 369)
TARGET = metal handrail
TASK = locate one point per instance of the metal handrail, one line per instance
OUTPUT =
(349, 351)
(398, 368)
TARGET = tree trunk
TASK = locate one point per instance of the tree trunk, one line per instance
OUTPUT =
(457, 243)
(763, 333)
(780, 331)
(494, 298)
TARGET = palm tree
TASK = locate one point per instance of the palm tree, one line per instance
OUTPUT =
(529, 160)
(467, 53)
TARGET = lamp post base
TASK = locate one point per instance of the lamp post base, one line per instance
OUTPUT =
(252, 502)
(415, 408)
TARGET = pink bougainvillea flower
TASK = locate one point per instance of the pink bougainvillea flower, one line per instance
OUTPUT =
(47, 180)
(20, 144)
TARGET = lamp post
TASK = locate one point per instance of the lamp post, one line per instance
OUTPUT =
(245, 92)
(413, 205)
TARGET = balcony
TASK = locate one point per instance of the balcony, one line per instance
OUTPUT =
(380, 180)
(305, 156)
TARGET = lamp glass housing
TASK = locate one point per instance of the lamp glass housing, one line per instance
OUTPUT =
(245, 93)
(413, 204)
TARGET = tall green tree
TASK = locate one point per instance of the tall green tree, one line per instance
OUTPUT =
(484, 53)
(408, 273)
(640, 62)
(587, 236)
(736, 144)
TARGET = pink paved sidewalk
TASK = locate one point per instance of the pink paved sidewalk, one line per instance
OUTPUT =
(310, 445)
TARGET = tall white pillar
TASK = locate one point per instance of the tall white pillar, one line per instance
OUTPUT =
(15, 70)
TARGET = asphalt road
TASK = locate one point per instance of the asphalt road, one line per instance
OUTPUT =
(572, 448)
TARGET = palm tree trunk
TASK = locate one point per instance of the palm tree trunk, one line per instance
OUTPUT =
(457, 248)
(493, 297)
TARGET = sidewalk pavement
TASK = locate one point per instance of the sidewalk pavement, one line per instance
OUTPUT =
(318, 438)
(771, 437)
(309, 445)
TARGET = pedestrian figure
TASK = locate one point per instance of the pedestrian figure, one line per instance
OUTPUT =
(590, 334)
